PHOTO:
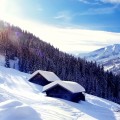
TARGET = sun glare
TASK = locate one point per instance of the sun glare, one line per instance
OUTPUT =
(3, 8)
(9, 9)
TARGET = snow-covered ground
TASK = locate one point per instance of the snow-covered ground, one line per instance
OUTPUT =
(13, 63)
(22, 100)
(2, 60)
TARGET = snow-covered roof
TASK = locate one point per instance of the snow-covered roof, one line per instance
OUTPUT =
(69, 85)
(50, 76)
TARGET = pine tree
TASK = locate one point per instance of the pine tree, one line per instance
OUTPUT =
(7, 62)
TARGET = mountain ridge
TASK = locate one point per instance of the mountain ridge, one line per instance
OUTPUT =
(108, 56)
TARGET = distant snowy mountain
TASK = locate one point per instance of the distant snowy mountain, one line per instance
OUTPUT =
(108, 56)
(22, 100)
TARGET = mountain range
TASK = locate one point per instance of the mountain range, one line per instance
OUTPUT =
(108, 56)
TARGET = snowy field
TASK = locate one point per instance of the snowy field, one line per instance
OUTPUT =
(21, 100)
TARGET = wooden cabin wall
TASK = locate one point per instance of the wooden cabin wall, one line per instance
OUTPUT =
(39, 79)
(59, 92)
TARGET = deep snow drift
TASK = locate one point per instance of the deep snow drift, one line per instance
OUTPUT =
(22, 100)
(15, 110)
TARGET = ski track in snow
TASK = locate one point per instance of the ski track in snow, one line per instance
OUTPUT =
(15, 86)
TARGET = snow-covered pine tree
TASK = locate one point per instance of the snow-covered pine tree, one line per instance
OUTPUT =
(7, 62)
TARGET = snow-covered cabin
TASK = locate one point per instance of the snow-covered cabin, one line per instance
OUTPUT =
(43, 78)
(68, 90)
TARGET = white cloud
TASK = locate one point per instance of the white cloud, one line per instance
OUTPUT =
(69, 39)
(65, 16)
(96, 11)
(111, 1)
(99, 10)
(39, 9)
(84, 1)
(94, 2)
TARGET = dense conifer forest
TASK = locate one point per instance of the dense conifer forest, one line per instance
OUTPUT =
(34, 54)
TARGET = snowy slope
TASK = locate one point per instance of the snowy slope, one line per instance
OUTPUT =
(108, 56)
(22, 100)
(13, 63)
(2, 60)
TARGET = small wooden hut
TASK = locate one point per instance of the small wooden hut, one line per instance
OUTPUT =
(43, 78)
(67, 90)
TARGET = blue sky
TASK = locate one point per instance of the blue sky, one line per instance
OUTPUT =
(88, 14)
(69, 15)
